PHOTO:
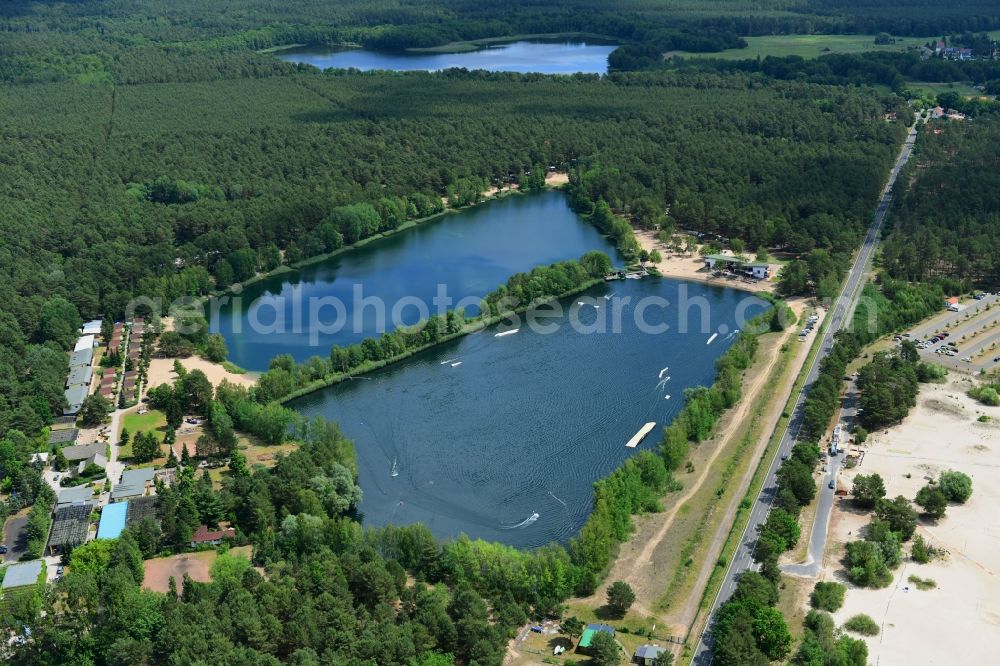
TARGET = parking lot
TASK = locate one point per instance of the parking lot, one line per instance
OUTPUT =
(972, 342)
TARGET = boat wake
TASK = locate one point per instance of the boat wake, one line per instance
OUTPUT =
(524, 523)
(660, 376)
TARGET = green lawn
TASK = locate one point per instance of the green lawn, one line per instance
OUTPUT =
(807, 46)
(153, 421)
(936, 88)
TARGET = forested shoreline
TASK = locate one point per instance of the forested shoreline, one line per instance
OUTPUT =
(150, 150)
(186, 187)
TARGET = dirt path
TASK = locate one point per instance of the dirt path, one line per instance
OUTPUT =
(634, 563)
(770, 422)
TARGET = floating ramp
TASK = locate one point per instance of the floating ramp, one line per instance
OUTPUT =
(643, 431)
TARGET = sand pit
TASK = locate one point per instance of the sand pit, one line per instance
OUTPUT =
(158, 571)
(691, 266)
(161, 371)
(196, 565)
(959, 620)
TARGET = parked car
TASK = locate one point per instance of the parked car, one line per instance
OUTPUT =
(3, 549)
(59, 571)
(832, 484)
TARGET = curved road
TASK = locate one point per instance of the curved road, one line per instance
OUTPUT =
(842, 311)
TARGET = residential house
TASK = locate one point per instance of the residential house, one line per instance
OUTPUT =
(203, 535)
(134, 483)
(76, 495)
(92, 327)
(588, 635)
(81, 455)
(646, 655)
(758, 271)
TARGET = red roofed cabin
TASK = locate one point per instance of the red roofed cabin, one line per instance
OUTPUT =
(203, 535)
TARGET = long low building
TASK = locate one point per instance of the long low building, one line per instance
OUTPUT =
(84, 342)
(82, 359)
(75, 395)
(80, 376)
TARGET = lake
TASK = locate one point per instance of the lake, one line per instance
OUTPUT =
(501, 438)
(522, 56)
(470, 252)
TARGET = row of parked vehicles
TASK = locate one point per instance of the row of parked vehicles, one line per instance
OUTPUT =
(810, 324)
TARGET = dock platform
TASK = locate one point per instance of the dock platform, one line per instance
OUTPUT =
(643, 431)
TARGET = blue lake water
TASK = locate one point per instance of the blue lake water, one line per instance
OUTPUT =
(523, 56)
(470, 253)
(487, 431)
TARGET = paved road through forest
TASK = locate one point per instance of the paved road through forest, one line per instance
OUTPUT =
(842, 311)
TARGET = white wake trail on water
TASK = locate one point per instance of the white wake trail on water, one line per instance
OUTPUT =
(524, 523)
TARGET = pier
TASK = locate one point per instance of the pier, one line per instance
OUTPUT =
(643, 431)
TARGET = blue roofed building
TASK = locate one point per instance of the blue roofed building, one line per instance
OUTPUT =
(112, 521)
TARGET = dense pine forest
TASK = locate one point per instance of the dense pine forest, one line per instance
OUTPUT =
(153, 149)
(947, 226)
(174, 189)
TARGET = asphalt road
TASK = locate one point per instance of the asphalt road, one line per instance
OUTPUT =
(842, 311)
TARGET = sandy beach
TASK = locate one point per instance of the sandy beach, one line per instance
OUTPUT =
(959, 620)
(691, 266)
(161, 371)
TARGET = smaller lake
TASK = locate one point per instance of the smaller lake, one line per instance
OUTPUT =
(523, 57)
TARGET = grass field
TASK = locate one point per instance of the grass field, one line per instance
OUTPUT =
(936, 88)
(807, 46)
(153, 421)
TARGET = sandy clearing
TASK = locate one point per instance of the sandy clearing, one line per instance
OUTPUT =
(196, 565)
(556, 178)
(691, 266)
(159, 571)
(959, 620)
(161, 371)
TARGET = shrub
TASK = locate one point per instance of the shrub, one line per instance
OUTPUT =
(920, 552)
(862, 624)
(922, 583)
(956, 486)
(828, 596)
